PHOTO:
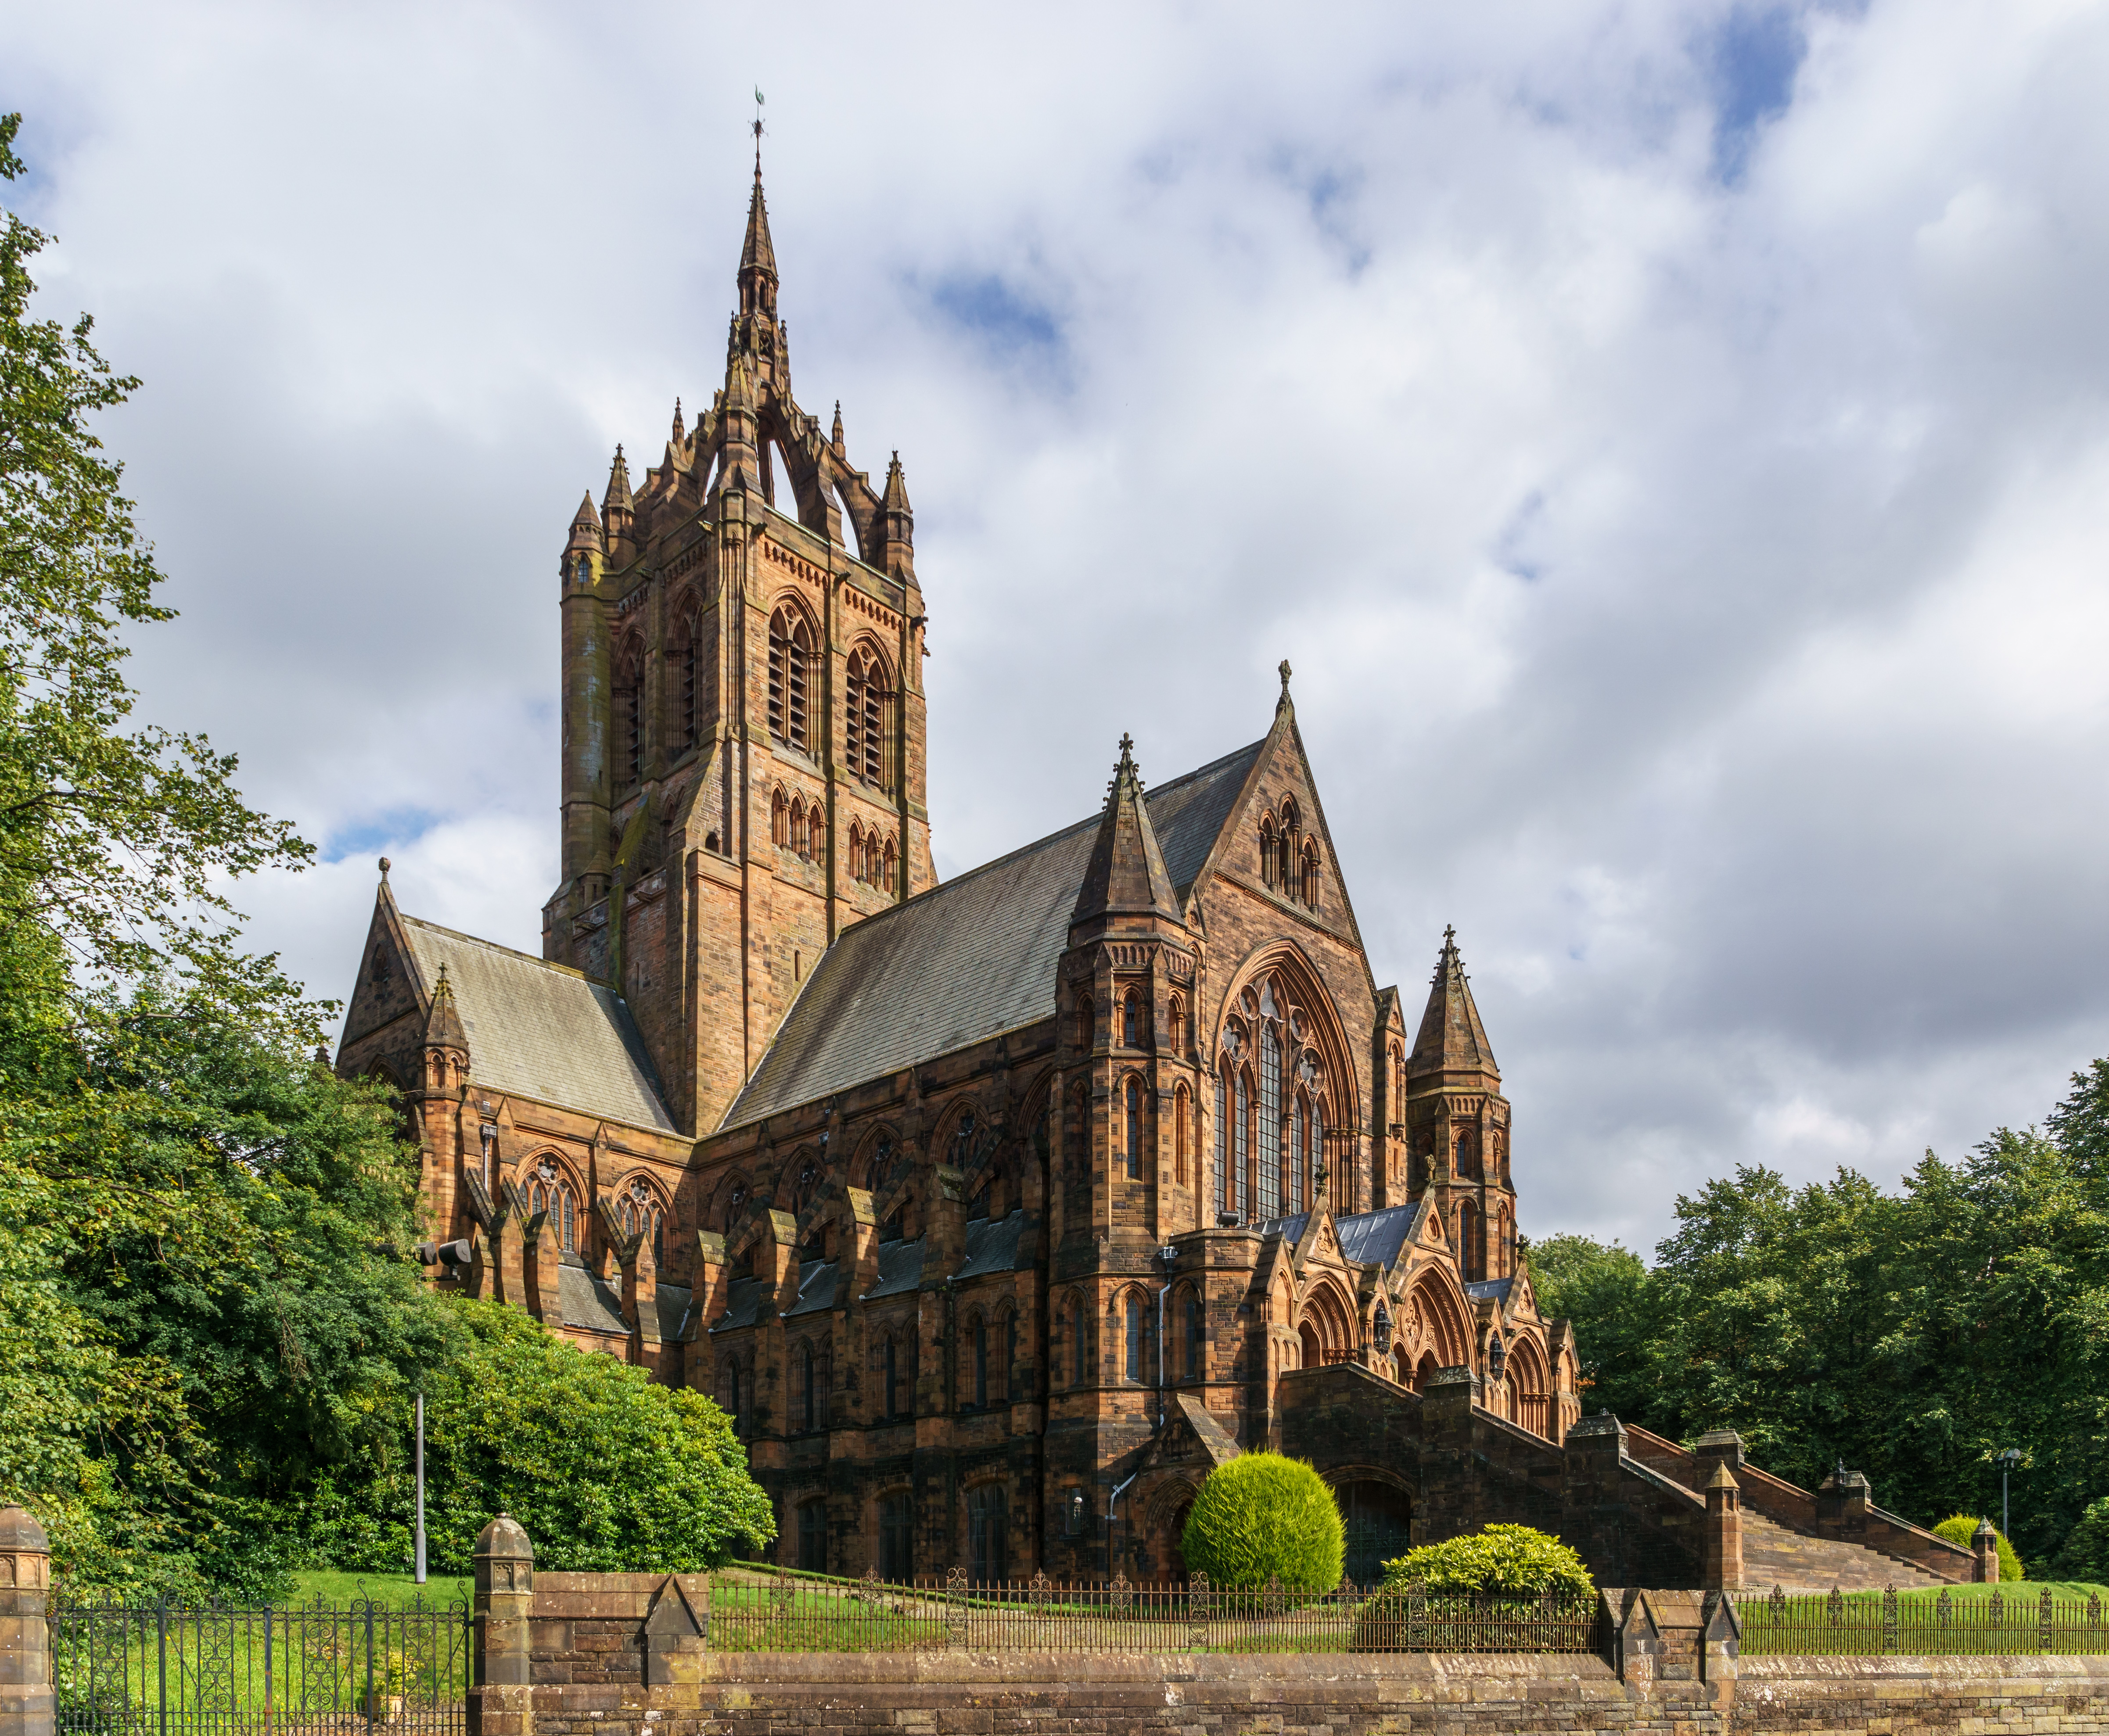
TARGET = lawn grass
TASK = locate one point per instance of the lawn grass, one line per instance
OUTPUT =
(336, 1590)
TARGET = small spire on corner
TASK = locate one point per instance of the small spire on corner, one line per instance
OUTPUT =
(837, 435)
(385, 865)
(680, 430)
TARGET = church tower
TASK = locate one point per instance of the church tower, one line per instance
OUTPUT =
(1457, 1124)
(744, 769)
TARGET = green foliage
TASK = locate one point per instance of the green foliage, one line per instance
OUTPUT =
(2084, 1553)
(1503, 1558)
(1262, 1515)
(1963, 1527)
(607, 1471)
(1913, 1334)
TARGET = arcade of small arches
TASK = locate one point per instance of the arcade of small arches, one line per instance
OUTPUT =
(1288, 861)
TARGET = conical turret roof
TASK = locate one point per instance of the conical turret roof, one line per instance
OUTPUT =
(443, 1025)
(1451, 1038)
(617, 497)
(896, 487)
(1125, 876)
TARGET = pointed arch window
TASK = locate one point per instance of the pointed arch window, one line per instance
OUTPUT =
(1223, 1134)
(790, 675)
(817, 834)
(1308, 890)
(889, 868)
(1132, 1019)
(1080, 1349)
(1299, 1153)
(689, 681)
(980, 1363)
(1192, 1345)
(1178, 1014)
(1270, 1155)
(629, 716)
(550, 1192)
(1132, 1366)
(1183, 1121)
(1269, 857)
(1241, 1135)
(808, 1412)
(867, 706)
(1133, 1107)
(779, 818)
(892, 1379)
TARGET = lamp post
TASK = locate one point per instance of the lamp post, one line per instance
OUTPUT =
(2006, 1461)
(420, 1559)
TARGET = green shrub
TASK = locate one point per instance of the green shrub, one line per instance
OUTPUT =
(1502, 1558)
(1961, 1527)
(2084, 1554)
(1263, 1515)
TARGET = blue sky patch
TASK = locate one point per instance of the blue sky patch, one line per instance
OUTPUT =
(1014, 326)
(1751, 60)
(397, 826)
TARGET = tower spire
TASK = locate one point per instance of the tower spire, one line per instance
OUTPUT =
(1127, 875)
(757, 253)
(1451, 1038)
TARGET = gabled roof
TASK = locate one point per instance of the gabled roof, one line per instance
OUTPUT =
(542, 1031)
(1375, 1236)
(900, 1269)
(992, 1245)
(966, 960)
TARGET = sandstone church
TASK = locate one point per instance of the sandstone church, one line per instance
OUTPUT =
(996, 1210)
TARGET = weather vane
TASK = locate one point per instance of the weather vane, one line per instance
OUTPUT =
(757, 129)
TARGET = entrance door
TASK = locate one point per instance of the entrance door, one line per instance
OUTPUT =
(986, 1533)
(1377, 1517)
(813, 1536)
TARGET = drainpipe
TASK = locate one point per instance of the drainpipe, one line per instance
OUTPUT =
(1119, 1490)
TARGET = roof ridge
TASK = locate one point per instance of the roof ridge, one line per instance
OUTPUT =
(546, 964)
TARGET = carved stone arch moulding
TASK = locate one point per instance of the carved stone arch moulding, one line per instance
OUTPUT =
(1435, 1313)
(1323, 1030)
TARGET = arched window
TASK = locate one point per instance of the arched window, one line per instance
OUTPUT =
(1178, 1024)
(735, 1201)
(1132, 1366)
(1134, 1105)
(1468, 1243)
(857, 851)
(813, 1536)
(1299, 1153)
(963, 1140)
(570, 1244)
(1007, 1377)
(816, 833)
(1222, 1167)
(1182, 1121)
(1240, 1135)
(1193, 1335)
(807, 1412)
(1083, 1017)
(1309, 892)
(550, 1192)
(795, 835)
(733, 1409)
(1131, 1019)
(1269, 1154)
(980, 1363)
(1080, 1348)
(865, 701)
(688, 671)
(1268, 856)
(889, 868)
(790, 671)
(779, 818)
(629, 715)
(892, 1379)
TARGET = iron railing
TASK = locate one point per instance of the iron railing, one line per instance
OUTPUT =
(127, 1670)
(757, 1612)
(1857, 1624)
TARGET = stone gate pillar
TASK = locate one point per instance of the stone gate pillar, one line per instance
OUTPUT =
(26, 1663)
(501, 1700)
(1985, 1554)
(1722, 1551)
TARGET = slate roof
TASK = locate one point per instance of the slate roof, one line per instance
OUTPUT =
(745, 1298)
(593, 1305)
(966, 960)
(542, 1029)
(1490, 1290)
(816, 1287)
(992, 1245)
(900, 1269)
(1376, 1236)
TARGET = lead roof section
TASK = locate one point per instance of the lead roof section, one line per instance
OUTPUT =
(967, 959)
(543, 1031)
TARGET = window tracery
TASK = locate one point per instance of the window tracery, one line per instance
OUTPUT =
(550, 1191)
(790, 671)
(629, 715)
(1270, 1147)
(1182, 1119)
(867, 707)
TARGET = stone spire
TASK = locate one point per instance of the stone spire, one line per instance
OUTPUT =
(897, 525)
(680, 428)
(443, 1025)
(1452, 1039)
(757, 257)
(836, 437)
(1126, 876)
(585, 534)
(619, 510)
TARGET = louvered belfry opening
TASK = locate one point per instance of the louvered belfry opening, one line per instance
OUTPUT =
(790, 669)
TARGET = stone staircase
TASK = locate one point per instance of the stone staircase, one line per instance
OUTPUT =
(1772, 1555)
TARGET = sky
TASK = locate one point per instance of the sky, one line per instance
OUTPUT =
(1670, 441)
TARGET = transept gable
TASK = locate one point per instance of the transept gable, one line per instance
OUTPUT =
(389, 985)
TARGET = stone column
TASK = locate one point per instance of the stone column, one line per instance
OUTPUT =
(1985, 1554)
(26, 1663)
(501, 1702)
(1722, 1552)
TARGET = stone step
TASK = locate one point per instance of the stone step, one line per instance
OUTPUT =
(1772, 1555)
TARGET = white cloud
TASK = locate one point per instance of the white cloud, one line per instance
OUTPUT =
(1694, 585)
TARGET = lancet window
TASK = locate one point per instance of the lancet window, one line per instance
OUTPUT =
(867, 706)
(1135, 1130)
(790, 675)
(1182, 1133)
(629, 716)
(550, 1191)
(642, 1214)
(1271, 1109)
(692, 683)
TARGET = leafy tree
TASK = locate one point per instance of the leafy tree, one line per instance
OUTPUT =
(1263, 1515)
(607, 1471)
(2084, 1553)
(1602, 1289)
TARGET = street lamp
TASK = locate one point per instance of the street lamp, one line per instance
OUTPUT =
(420, 1561)
(2006, 1461)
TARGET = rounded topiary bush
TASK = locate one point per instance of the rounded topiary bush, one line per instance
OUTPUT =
(1262, 1516)
(1961, 1527)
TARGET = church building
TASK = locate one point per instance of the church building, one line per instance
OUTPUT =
(995, 1210)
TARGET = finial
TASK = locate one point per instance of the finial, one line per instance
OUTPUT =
(757, 129)
(384, 868)
(679, 427)
(1285, 678)
(443, 974)
(1449, 935)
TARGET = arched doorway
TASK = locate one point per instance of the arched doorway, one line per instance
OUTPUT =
(1313, 1355)
(1378, 1517)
